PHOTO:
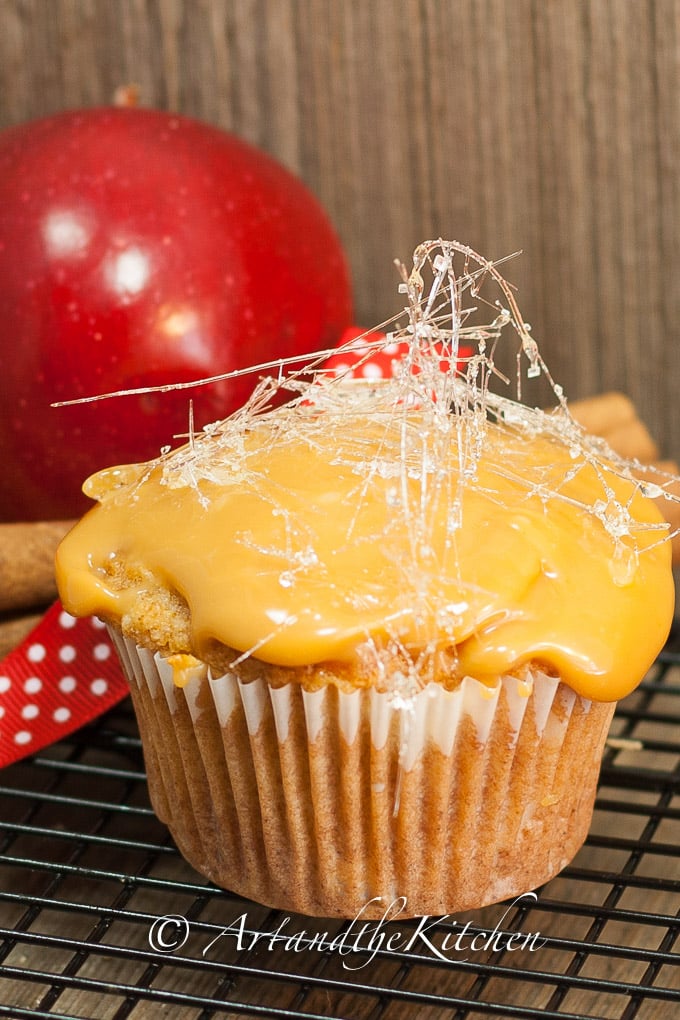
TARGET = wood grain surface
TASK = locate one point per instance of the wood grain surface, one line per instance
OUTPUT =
(551, 126)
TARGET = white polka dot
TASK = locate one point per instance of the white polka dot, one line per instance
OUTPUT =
(372, 371)
(341, 369)
(66, 620)
(2, 711)
(99, 686)
(97, 623)
(101, 652)
(36, 653)
(67, 684)
(30, 712)
(67, 653)
(33, 685)
(22, 737)
(391, 348)
(5, 684)
(61, 714)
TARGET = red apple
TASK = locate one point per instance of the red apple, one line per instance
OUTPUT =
(140, 248)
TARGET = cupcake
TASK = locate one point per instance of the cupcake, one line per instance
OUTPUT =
(375, 636)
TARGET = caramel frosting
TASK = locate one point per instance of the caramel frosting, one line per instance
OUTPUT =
(355, 530)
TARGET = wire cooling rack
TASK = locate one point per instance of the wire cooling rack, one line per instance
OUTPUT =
(100, 918)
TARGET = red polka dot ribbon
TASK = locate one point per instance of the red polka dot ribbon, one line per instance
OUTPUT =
(356, 359)
(66, 673)
(62, 675)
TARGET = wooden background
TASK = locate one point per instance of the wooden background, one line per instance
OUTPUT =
(551, 126)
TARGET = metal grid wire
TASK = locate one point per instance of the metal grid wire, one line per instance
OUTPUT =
(88, 875)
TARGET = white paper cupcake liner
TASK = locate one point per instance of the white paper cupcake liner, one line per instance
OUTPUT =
(330, 802)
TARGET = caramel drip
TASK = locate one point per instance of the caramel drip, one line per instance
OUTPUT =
(332, 544)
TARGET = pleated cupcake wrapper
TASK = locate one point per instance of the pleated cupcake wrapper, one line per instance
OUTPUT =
(334, 802)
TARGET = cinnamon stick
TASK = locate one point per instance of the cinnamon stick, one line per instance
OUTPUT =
(613, 417)
(14, 629)
(601, 413)
(27, 563)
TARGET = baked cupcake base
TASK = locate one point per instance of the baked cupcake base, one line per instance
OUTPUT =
(331, 803)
